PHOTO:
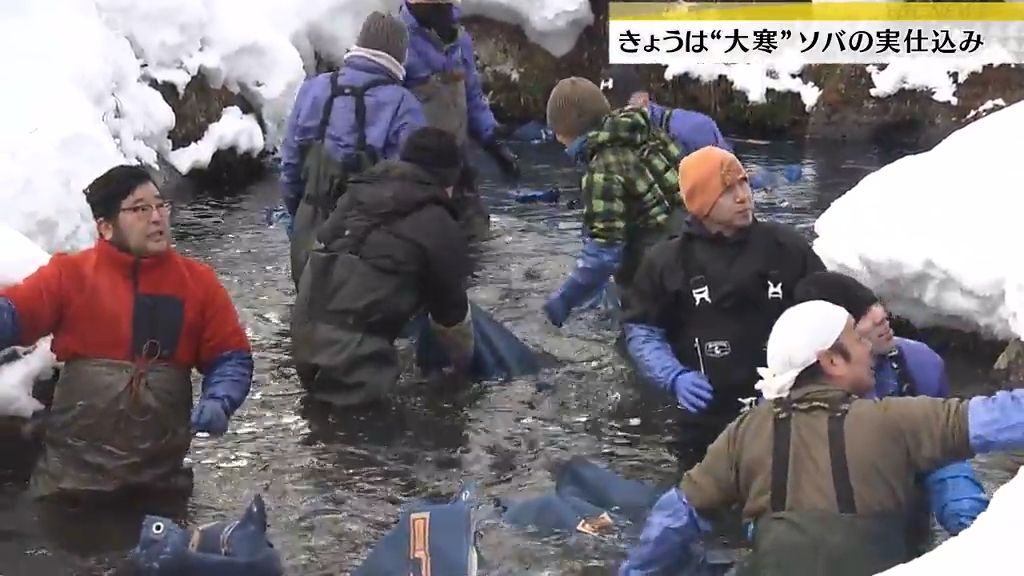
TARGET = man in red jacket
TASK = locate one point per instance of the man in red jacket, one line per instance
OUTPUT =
(130, 318)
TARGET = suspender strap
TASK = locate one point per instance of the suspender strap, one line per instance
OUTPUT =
(325, 115)
(782, 435)
(837, 454)
(780, 454)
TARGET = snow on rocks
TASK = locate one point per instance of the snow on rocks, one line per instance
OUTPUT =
(234, 130)
(78, 99)
(553, 25)
(934, 234)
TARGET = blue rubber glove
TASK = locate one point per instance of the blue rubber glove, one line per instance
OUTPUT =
(996, 423)
(693, 391)
(10, 331)
(596, 263)
(650, 349)
(666, 541)
(209, 416)
(956, 496)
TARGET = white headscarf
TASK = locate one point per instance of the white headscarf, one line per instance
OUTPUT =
(800, 333)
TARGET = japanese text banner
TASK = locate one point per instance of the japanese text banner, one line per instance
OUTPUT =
(819, 33)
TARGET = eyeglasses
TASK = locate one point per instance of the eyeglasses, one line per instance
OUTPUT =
(147, 209)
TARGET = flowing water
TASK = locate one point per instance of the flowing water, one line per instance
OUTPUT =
(334, 482)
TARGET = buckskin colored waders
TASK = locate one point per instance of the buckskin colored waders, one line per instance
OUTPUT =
(809, 542)
(116, 425)
(324, 176)
(443, 98)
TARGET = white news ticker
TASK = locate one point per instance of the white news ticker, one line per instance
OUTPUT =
(814, 42)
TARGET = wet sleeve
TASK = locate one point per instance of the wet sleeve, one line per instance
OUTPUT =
(604, 206)
(712, 483)
(447, 272)
(291, 157)
(408, 117)
(481, 119)
(36, 304)
(935, 430)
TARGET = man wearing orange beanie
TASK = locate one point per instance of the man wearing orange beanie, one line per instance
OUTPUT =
(703, 303)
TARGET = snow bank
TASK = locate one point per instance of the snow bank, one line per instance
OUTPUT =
(989, 546)
(78, 101)
(935, 234)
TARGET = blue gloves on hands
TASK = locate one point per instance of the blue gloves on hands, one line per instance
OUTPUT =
(671, 528)
(209, 416)
(956, 496)
(556, 310)
(596, 263)
(692, 390)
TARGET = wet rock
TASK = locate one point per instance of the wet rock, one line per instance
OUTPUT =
(518, 76)
(195, 109)
(1011, 361)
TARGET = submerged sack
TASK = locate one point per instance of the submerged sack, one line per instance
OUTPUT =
(497, 352)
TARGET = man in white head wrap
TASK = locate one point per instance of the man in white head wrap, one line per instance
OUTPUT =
(808, 335)
(825, 477)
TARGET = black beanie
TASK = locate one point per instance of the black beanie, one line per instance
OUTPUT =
(106, 193)
(839, 289)
(436, 152)
(619, 82)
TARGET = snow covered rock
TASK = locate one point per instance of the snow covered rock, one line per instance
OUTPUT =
(934, 234)
(989, 546)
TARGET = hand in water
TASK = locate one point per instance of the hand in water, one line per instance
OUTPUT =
(209, 416)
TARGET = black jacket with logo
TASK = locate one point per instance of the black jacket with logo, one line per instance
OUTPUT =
(717, 299)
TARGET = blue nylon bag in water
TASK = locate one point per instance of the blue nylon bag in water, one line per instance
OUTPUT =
(583, 492)
(497, 353)
(430, 538)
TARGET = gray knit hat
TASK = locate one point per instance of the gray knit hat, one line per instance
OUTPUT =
(575, 106)
(385, 33)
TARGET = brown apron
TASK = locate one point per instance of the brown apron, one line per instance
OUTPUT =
(444, 103)
(443, 98)
(115, 425)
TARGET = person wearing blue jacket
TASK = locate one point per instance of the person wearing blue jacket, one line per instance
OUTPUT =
(905, 367)
(622, 85)
(343, 123)
(441, 71)
(826, 475)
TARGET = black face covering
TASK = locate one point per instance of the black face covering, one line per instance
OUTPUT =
(437, 17)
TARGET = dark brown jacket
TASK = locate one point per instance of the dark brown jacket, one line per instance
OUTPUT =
(888, 441)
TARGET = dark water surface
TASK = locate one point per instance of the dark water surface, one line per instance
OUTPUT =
(334, 482)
